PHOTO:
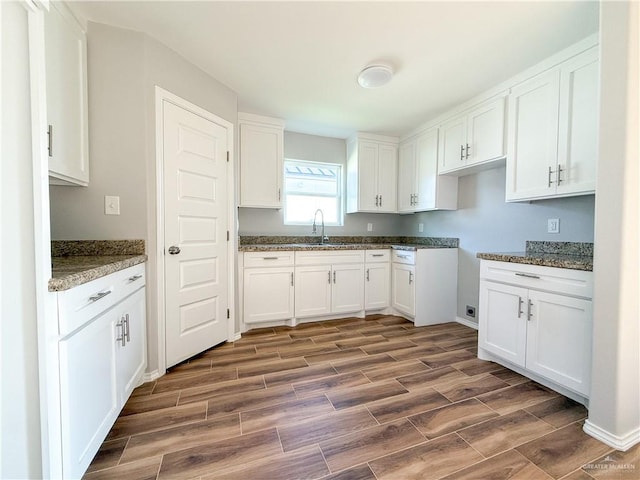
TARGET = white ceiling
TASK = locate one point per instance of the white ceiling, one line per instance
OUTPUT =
(299, 60)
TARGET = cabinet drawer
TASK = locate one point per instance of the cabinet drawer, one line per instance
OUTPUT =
(268, 259)
(565, 281)
(79, 305)
(404, 256)
(330, 257)
(376, 256)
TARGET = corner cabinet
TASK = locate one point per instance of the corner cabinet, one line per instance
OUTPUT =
(261, 161)
(538, 319)
(372, 169)
(473, 138)
(420, 188)
(102, 357)
(65, 60)
(553, 131)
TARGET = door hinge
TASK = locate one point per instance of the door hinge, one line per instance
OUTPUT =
(228, 313)
(227, 156)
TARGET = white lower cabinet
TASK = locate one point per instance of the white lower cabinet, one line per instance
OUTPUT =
(539, 320)
(268, 286)
(102, 359)
(424, 284)
(377, 279)
(329, 282)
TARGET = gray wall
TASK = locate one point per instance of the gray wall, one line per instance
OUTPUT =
(123, 69)
(484, 222)
(20, 455)
(298, 146)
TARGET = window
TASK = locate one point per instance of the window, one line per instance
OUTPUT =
(309, 186)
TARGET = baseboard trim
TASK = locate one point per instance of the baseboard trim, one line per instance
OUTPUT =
(466, 322)
(236, 337)
(151, 376)
(623, 443)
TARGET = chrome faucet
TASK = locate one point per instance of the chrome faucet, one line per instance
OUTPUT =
(323, 238)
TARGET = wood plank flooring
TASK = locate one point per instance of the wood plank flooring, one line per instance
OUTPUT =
(352, 399)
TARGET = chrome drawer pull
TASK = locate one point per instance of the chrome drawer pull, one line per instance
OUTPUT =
(98, 296)
(377, 255)
(527, 275)
(135, 277)
(270, 258)
(402, 256)
(121, 338)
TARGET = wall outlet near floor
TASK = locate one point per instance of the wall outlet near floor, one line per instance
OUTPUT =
(421, 227)
(471, 311)
(369, 227)
(111, 205)
(553, 225)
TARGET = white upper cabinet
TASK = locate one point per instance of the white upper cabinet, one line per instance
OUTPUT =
(419, 186)
(261, 161)
(372, 174)
(65, 58)
(553, 126)
(474, 137)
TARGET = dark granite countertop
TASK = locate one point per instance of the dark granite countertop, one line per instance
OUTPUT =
(572, 255)
(280, 243)
(75, 262)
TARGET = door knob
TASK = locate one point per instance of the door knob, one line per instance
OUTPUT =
(173, 250)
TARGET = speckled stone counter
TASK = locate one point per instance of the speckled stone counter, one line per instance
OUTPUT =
(302, 243)
(74, 262)
(572, 255)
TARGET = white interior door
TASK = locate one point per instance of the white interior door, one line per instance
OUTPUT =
(195, 235)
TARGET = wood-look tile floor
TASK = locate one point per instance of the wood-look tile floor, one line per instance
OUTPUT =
(357, 399)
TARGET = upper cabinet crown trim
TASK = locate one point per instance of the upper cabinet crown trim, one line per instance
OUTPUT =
(374, 138)
(259, 119)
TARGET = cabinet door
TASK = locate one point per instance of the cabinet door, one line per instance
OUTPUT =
(387, 177)
(427, 170)
(453, 135)
(485, 132)
(532, 145)
(261, 166)
(578, 124)
(368, 176)
(406, 176)
(376, 286)
(347, 294)
(131, 356)
(559, 339)
(503, 321)
(268, 294)
(313, 290)
(66, 81)
(88, 395)
(403, 297)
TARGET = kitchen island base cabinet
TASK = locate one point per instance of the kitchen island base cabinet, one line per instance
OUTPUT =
(424, 284)
(538, 319)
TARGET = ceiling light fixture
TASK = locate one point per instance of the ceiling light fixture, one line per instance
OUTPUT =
(375, 76)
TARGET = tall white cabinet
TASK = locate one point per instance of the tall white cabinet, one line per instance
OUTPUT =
(553, 131)
(261, 161)
(64, 48)
(372, 170)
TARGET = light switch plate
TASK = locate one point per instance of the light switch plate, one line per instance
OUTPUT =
(111, 205)
(553, 225)
(421, 227)
(369, 227)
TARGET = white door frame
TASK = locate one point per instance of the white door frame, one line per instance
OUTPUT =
(161, 96)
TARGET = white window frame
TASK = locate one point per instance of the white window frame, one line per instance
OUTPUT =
(339, 193)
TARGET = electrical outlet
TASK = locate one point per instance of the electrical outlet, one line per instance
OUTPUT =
(111, 205)
(369, 227)
(471, 311)
(553, 225)
(421, 227)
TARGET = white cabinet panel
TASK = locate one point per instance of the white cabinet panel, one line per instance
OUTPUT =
(406, 176)
(268, 294)
(377, 286)
(502, 321)
(453, 136)
(387, 177)
(313, 290)
(261, 161)
(404, 289)
(347, 294)
(131, 354)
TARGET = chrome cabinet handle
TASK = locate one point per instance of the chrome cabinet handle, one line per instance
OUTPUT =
(558, 177)
(377, 200)
(135, 277)
(401, 256)
(128, 328)
(410, 278)
(415, 199)
(329, 272)
(549, 181)
(98, 296)
(50, 140)
(520, 303)
(292, 279)
(380, 200)
(461, 152)
(467, 155)
(334, 276)
(121, 338)
(527, 275)
(174, 250)
(377, 254)
(279, 194)
(367, 274)
(270, 258)
(529, 312)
